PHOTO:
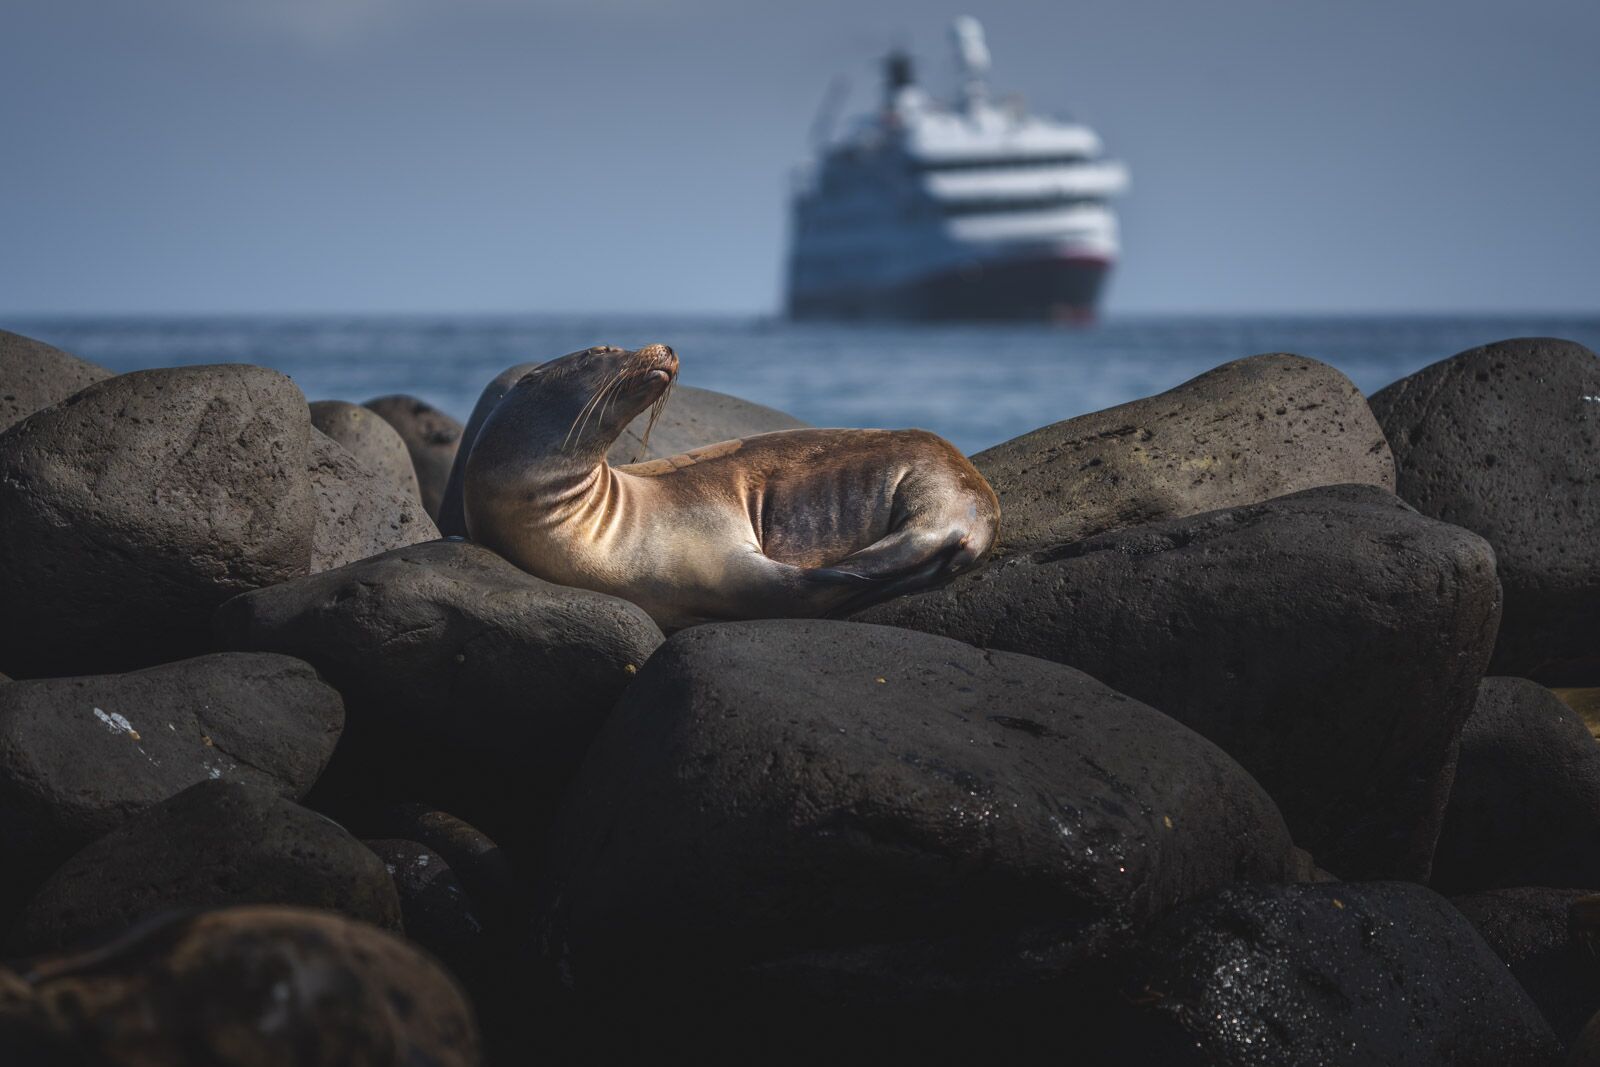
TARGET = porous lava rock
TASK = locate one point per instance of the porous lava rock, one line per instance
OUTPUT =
(1548, 938)
(1330, 640)
(33, 375)
(467, 681)
(1525, 808)
(81, 756)
(1241, 433)
(359, 513)
(215, 844)
(431, 437)
(368, 437)
(245, 986)
(791, 814)
(1338, 973)
(1505, 440)
(130, 510)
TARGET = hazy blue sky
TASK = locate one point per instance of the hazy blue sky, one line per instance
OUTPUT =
(583, 155)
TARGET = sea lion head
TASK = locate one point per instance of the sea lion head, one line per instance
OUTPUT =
(584, 400)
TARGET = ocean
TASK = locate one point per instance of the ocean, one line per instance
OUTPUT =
(975, 384)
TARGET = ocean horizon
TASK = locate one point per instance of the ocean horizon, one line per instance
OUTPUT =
(975, 384)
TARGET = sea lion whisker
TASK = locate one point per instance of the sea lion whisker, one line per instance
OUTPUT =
(588, 407)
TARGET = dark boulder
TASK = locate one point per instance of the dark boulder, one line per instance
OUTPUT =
(1311, 975)
(246, 987)
(474, 857)
(1505, 440)
(215, 844)
(359, 513)
(1331, 641)
(131, 510)
(795, 813)
(1525, 808)
(34, 376)
(81, 756)
(1249, 430)
(1548, 939)
(376, 445)
(467, 681)
(438, 910)
(431, 437)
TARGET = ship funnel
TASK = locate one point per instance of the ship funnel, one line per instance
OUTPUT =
(896, 76)
(972, 56)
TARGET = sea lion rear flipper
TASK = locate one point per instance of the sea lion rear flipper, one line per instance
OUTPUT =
(907, 561)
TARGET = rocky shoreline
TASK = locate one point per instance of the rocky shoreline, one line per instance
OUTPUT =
(1262, 739)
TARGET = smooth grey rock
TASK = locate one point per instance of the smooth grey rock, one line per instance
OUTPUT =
(467, 681)
(129, 511)
(33, 376)
(1548, 938)
(804, 811)
(81, 756)
(1242, 433)
(431, 437)
(359, 513)
(1525, 808)
(376, 445)
(247, 987)
(1311, 975)
(1505, 440)
(216, 844)
(1331, 641)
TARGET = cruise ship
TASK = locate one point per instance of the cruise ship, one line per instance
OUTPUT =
(971, 209)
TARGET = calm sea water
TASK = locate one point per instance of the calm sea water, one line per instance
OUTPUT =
(976, 385)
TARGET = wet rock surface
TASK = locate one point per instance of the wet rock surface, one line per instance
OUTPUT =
(1548, 938)
(359, 513)
(788, 813)
(81, 756)
(1375, 973)
(215, 844)
(33, 376)
(431, 437)
(1239, 434)
(376, 445)
(248, 986)
(1330, 640)
(1525, 807)
(467, 681)
(134, 508)
(1503, 440)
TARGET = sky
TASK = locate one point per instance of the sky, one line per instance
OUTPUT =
(438, 156)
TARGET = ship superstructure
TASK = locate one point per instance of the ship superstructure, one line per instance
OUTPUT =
(969, 210)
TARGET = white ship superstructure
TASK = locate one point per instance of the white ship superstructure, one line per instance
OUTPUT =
(970, 210)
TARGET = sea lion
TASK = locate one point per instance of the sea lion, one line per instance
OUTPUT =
(795, 523)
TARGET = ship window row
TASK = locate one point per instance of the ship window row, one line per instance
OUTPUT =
(999, 205)
(999, 162)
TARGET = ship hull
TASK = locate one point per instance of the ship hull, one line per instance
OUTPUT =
(1054, 289)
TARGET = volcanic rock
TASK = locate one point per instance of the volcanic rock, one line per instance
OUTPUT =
(34, 376)
(1525, 809)
(1239, 434)
(1548, 938)
(359, 513)
(1341, 973)
(431, 437)
(1505, 440)
(80, 756)
(438, 910)
(215, 844)
(1331, 641)
(467, 681)
(472, 855)
(131, 510)
(246, 987)
(376, 445)
(805, 812)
